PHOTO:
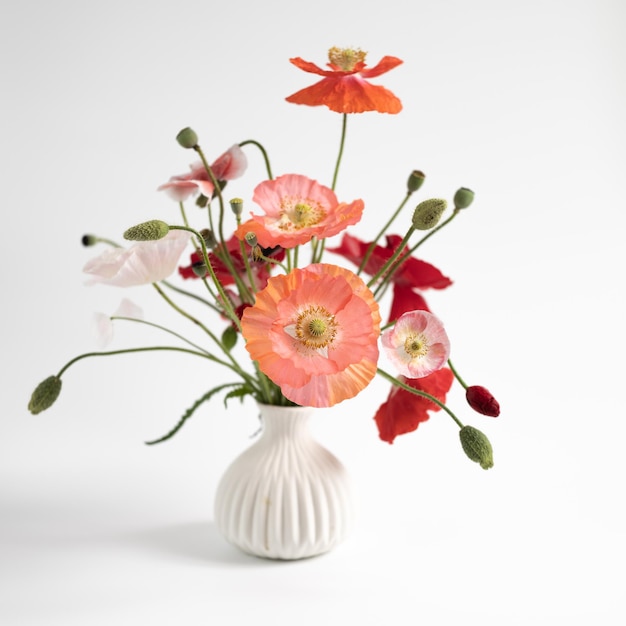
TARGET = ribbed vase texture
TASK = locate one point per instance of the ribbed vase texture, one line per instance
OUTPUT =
(285, 497)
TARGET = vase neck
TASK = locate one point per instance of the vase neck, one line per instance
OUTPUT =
(285, 421)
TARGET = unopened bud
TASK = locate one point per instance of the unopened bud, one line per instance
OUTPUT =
(147, 231)
(482, 401)
(187, 138)
(45, 395)
(428, 213)
(463, 198)
(251, 239)
(199, 269)
(236, 204)
(476, 446)
(202, 201)
(416, 180)
(89, 240)
(229, 338)
(209, 238)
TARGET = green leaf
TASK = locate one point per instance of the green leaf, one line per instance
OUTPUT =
(240, 392)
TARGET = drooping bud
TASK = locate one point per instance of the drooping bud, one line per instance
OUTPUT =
(187, 138)
(209, 238)
(147, 231)
(89, 240)
(476, 446)
(202, 201)
(463, 198)
(45, 395)
(199, 269)
(416, 180)
(236, 204)
(428, 213)
(482, 401)
(251, 239)
(229, 338)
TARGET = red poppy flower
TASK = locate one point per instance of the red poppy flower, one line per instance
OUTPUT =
(412, 275)
(344, 88)
(403, 411)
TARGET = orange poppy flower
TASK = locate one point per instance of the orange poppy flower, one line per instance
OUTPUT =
(314, 332)
(344, 88)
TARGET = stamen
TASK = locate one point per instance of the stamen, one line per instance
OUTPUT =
(346, 58)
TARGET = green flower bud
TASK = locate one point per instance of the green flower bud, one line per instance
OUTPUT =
(251, 239)
(89, 240)
(229, 338)
(187, 138)
(147, 231)
(202, 201)
(428, 213)
(463, 198)
(199, 269)
(416, 180)
(236, 204)
(476, 446)
(45, 395)
(209, 238)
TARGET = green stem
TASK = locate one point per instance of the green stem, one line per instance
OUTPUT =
(392, 259)
(456, 374)
(263, 152)
(205, 257)
(383, 230)
(344, 122)
(190, 294)
(129, 350)
(418, 392)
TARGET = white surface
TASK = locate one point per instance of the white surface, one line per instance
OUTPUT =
(523, 102)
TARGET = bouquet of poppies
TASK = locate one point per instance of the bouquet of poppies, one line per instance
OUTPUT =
(313, 329)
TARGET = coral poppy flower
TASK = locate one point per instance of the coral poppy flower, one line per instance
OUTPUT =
(230, 165)
(404, 411)
(413, 274)
(297, 209)
(417, 345)
(143, 263)
(344, 88)
(314, 332)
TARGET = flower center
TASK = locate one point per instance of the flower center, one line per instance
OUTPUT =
(316, 327)
(416, 346)
(300, 213)
(346, 58)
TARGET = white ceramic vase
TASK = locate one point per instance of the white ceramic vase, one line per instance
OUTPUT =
(285, 497)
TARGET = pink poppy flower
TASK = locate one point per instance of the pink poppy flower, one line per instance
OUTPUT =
(417, 345)
(404, 411)
(143, 263)
(344, 88)
(314, 333)
(230, 165)
(297, 209)
(412, 275)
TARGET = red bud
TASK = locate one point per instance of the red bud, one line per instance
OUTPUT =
(481, 400)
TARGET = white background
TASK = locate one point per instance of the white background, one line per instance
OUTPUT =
(522, 102)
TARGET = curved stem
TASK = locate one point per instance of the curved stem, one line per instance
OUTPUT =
(129, 350)
(418, 392)
(263, 152)
(456, 374)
